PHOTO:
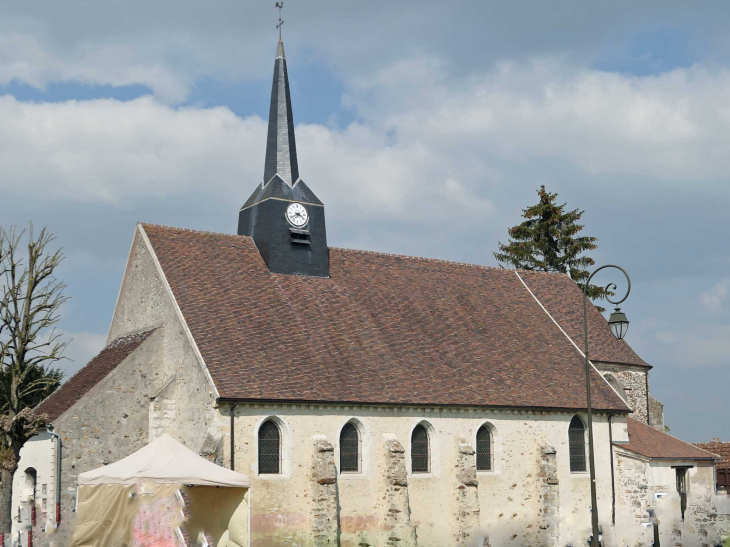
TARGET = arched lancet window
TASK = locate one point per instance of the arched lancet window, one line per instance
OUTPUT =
(420, 457)
(577, 444)
(349, 449)
(269, 448)
(615, 384)
(484, 449)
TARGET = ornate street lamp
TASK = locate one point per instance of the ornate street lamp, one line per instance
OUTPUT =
(619, 325)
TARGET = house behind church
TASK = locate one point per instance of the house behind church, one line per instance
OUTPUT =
(374, 399)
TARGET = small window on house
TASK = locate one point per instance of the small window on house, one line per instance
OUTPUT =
(349, 449)
(682, 480)
(420, 460)
(269, 448)
(484, 449)
(577, 444)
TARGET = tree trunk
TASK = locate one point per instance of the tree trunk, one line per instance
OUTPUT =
(6, 498)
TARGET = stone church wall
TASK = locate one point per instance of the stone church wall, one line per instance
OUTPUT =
(108, 424)
(656, 414)
(453, 504)
(634, 382)
(179, 398)
(159, 388)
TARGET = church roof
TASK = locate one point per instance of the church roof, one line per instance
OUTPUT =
(383, 329)
(652, 443)
(567, 305)
(91, 374)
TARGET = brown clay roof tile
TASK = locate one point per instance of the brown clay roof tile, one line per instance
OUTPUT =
(652, 443)
(563, 299)
(721, 449)
(383, 329)
(91, 374)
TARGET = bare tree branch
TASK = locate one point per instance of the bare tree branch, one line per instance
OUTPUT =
(30, 300)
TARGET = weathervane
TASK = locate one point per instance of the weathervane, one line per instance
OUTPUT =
(281, 21)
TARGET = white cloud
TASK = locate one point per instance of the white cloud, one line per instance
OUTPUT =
(120, 152)
(453, 140)
(713, 299)
(24, 58)
(112, 151)
(668, 127)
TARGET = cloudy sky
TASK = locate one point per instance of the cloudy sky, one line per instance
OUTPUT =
(118, 112)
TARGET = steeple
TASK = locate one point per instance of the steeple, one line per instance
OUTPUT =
(282, 215)
(281, 147)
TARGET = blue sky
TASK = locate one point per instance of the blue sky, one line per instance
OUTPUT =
(116, 113)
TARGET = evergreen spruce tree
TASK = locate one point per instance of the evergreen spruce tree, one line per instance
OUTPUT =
(548, 241)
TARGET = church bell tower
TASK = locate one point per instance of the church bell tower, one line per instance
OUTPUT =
(283, 216)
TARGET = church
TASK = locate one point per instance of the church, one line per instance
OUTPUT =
(374, 399)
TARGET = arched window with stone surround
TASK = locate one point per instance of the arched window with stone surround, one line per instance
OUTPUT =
(577, 445)
(616, 384)
(269, 448)
(350, 449)
(420, 450)
(484, 449)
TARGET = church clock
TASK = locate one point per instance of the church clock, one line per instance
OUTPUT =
(297, 215)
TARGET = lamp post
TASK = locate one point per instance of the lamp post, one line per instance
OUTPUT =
(619, 324)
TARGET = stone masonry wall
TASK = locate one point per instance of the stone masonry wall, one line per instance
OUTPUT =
(549, 495)
(325, 530)
(632, 500)
(398, 512)
(656, 414)
(723, 527)
(640, 481)
(634, 382)
(467, 493)
(385, 500)
(108, 424)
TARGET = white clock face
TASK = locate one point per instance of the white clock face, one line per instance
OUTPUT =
(297, 214)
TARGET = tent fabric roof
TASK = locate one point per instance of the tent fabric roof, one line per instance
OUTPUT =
(383, 329)
(165, 461)
(652, 443)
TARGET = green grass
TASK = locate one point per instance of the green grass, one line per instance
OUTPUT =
(727, 543)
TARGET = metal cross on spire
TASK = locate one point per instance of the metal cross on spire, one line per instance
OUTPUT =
(281, 21)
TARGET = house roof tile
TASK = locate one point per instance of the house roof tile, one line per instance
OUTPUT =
(721, 449)
(652, 443)
(383, 329)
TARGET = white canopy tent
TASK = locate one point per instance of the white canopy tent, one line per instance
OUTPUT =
(138, 500)
(165, 461)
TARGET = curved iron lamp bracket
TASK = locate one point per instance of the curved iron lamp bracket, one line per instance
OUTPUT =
(610, 286)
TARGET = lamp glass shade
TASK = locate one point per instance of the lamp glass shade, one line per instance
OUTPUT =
(619, 323)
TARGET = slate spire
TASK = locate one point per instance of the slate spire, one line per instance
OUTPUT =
(299, 246)
(281, 148)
